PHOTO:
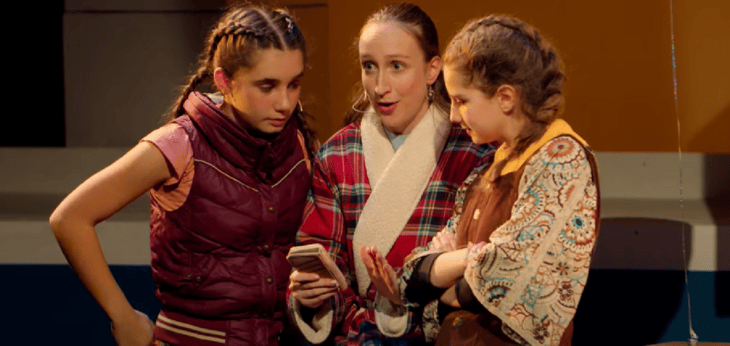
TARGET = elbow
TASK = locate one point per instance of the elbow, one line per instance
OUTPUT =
(57, 221)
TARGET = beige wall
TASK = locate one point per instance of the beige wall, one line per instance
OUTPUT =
(617, 56)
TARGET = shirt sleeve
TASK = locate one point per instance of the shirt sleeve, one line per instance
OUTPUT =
(533, 271)
(323, 223)
(174, 144)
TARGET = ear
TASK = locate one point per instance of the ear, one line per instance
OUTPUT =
(221, 81)
(433, 68)
(508, 98)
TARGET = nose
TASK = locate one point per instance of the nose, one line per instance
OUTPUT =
(285, 102)
(454, 115)
(382, 84)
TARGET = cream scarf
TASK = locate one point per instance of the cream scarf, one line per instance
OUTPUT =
(397, 181)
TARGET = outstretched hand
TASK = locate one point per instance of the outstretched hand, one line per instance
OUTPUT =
(381, 274)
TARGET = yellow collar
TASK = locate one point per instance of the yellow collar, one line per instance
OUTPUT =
(556, 129)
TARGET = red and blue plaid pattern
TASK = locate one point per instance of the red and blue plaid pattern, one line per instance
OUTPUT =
(340, 188)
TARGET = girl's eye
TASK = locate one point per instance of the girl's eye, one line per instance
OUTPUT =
(294, 85)
(368, 66)
(398, 66)
(266, 87)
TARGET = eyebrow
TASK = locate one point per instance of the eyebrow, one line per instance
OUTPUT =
(274, 80)
(398, 56)
(389, 56)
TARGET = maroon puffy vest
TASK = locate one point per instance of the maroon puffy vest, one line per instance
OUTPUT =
(222, 254)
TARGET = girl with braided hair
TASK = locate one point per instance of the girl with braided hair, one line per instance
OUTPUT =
(512, 263)
(227, 179)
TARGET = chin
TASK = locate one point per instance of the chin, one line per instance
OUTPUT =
(389, 125)
(267, 133)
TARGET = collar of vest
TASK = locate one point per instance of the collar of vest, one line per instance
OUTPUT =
(557, 128)
(234, 143)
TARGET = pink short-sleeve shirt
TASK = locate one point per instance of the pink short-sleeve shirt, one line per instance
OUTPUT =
(174, 143)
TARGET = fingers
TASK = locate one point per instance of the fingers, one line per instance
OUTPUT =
(383, 269)
(314, 293)
(447, 241)
(434, 243)
(367, 258)
(444, 241)
(314, 297)
(324, 283)
(370, 264)
(315, 302)
(304, 281)
(386, 273)
(303, 277)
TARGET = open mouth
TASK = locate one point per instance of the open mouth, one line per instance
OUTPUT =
(386, 107)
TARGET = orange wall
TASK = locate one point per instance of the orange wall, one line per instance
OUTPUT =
(617, 56)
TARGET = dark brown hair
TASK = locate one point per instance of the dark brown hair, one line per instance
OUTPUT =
(498, 50)
(423, 29)
(232, 44)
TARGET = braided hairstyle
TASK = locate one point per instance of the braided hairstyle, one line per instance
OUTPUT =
(232, 44)
(420, 25)
(498, 50)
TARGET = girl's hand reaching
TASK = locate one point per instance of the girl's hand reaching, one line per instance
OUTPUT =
(443, 241)
(381, 273)
(135, 331)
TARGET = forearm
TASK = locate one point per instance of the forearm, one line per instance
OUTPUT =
(98, 198)
(448, 268)
(80, 245)
(449, 297)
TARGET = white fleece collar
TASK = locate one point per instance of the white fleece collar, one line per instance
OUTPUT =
(397, 181)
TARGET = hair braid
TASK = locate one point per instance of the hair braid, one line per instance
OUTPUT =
(550, 85)
(201, 75)
(232, 44)
(498, 50)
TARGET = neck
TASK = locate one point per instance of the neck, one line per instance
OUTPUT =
(513, 127)
(227, 110)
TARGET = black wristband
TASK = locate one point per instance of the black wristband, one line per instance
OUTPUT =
(466, 297)
(419, 288)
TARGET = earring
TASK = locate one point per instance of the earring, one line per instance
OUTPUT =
(300, 108)
(431, 93)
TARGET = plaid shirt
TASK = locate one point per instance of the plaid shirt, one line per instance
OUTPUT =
(340, 189)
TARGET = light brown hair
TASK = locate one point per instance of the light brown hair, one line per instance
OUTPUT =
(498, 50)
(420, 25)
